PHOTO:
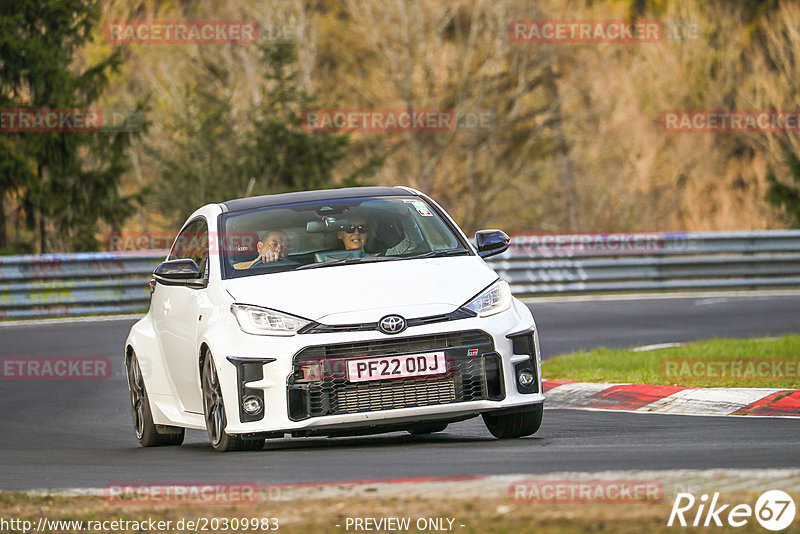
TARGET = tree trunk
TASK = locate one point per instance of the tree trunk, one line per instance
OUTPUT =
(562, 153)
(3, 232)
(42, 234)
(42, 217)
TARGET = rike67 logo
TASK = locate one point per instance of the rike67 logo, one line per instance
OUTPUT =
(774, 510)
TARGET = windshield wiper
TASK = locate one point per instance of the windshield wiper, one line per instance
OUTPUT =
(345, 261)
(372, 259)
(439, 253)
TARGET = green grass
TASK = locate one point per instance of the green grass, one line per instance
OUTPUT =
(679, 365)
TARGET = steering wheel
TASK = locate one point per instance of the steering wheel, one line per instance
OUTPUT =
(280, 261)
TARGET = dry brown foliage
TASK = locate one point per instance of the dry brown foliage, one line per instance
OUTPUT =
(575, 143)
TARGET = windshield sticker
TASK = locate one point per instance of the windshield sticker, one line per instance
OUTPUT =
(421, 208)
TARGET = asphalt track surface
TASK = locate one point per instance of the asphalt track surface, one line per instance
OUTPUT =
(78, 434)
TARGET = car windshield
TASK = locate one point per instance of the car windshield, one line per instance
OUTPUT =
(319, 234)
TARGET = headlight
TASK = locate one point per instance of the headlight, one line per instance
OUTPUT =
(266, 322)
(494, 299)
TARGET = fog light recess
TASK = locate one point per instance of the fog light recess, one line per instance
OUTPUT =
(526, 378)
(252, 405)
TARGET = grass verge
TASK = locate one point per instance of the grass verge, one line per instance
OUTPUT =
(477, 515)
(763, 363)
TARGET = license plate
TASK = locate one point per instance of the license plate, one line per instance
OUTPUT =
(389, 367)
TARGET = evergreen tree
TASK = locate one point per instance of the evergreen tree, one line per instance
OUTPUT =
(203, 162)
(68, 182)
(284, 157)
(213, 158)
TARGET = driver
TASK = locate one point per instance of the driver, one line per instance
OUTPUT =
(273, 246)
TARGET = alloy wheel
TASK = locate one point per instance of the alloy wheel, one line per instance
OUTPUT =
(136, 385)
(212, 400)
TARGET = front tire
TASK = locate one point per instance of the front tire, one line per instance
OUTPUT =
(214, 412)
(146, 431)
(515, 424)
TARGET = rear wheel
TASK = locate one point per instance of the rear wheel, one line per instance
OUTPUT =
(146, 431)
(426, 428)
(214, 411)
(514, 424)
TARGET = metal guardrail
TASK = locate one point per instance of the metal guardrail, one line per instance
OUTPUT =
(605, 263)
(76, 284)
(117, 282)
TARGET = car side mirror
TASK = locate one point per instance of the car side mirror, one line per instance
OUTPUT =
(182, 272)
(491, 242)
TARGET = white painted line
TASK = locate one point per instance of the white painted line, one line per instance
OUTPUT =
(667, 414)
(708, 401)
(657, 346)
(656, 296)
(573, 394)
(68, 320)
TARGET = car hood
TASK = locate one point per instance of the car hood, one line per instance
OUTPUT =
(354, 293)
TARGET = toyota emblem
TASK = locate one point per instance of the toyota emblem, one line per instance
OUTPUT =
(392, 324)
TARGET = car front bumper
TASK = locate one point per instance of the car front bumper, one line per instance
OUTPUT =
(276, 363)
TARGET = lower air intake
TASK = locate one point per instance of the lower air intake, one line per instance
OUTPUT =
(374, 397)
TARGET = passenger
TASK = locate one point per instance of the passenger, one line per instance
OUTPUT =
(273, 246)
(356, 235)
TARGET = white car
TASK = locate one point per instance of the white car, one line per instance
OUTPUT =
(339, 312)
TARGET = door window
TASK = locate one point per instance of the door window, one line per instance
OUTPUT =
(192, 243)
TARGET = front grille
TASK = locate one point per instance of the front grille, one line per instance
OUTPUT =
(319, 384)
(319, 328)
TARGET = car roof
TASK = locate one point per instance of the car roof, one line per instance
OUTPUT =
(265, 201)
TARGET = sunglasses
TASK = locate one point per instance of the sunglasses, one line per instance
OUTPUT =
(362, 228)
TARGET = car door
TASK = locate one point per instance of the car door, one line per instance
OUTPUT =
(176, 312)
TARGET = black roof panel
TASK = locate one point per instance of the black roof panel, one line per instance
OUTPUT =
(265, 201)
